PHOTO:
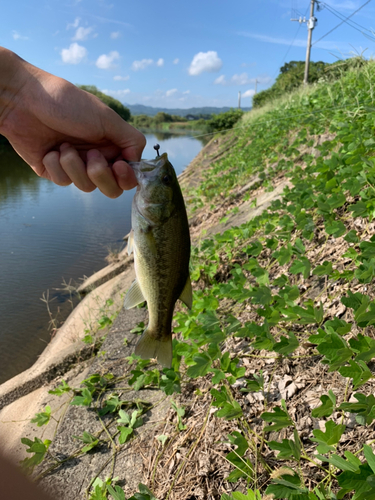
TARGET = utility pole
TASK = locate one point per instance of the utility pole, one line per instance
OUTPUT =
(256, 83)
(239, 99)
(311, 23)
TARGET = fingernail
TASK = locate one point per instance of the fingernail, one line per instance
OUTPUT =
(93, 154)
(64, 146)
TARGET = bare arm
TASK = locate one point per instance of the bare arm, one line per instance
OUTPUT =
(64, 133)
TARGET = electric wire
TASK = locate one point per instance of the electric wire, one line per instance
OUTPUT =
(290, 46)
(342, 17)
(344, 21)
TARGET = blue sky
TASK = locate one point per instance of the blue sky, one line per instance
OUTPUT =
(178, 53)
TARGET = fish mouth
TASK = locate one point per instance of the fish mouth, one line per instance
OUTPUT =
(145, 166)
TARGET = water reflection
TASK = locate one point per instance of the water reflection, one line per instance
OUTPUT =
(16, 177)
(49, 234)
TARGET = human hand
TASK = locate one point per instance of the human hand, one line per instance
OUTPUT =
(64, 133)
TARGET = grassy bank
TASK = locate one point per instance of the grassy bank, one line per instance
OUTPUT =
(272, 375)
(286, 300)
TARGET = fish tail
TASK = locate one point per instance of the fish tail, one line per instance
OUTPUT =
(148, 347)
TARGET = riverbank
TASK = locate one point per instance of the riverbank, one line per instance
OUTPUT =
(68, 359)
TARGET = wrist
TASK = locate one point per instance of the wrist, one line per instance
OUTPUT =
(13, 75)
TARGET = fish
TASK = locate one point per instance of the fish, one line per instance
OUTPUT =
(160, 240)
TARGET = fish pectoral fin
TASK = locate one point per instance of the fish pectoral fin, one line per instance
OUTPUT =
(187, 294)
(131, 242)
(134, 296)
(148, 347)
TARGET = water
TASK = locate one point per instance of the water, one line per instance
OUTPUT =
(51, 234)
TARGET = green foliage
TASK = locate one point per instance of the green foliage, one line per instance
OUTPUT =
(109, 101)
(89, 440)
(42, 418)
(225, 121)
(39, 449)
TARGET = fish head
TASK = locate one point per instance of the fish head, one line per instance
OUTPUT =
(158, 192)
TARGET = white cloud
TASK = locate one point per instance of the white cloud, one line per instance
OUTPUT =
(106, 61)
(115, 35)
(74, 24)
(220, 80)
(17, 36)
(176, 61)
(248, 93)
(241, 79)
(82, 33)
(169, 93)
(117, 94)
(160, 62)
(205, 62)
(138, 65)
(120, 78)
(74, 54)
(186, 92)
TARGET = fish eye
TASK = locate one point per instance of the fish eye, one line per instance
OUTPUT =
(166, 180)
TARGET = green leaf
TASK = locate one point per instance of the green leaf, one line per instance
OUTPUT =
(287, 449)
(261, 295)
(39, 448)
(284, 255)
(359, 372)
(84, 400)
(200, 368)
(352, 237)
(358, 209)
(370, 457)
(286, 345)
(42, 418)
(98, 493)
(229, 411)
(280, 418)
(61, 389)
(365, 408)
(288, 487)
(357, 481)
(327, 407)
(328, 438)
(90, 441)
(336, 228)
(117, 493)
(125, 433)
(301, 266)
(324, 269)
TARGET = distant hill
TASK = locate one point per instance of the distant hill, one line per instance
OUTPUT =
(140, 109)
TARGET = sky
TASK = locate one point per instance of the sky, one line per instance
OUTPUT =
(180, 54)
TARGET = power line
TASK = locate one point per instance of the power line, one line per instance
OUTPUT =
(341, 16)
(344, 21)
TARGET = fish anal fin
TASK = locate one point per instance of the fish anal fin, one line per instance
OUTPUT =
(148, 347)
(130, 242)
(187, 294)
(134, 296)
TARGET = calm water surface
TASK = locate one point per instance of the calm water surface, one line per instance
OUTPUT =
(51, 234)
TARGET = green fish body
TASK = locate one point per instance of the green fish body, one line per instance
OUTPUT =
(160, 241)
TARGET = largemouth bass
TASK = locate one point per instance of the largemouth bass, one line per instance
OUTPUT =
(160, 240)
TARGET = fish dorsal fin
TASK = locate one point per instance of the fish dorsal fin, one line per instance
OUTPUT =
(131, 242)
(187, 294)
(134, 296)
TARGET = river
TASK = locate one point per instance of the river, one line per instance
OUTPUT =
(51, 235)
